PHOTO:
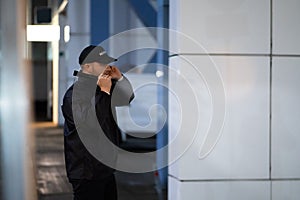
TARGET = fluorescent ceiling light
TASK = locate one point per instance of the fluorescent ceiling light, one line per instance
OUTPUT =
(43, 33)
(67, 33)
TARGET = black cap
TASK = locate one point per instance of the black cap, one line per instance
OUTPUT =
(95, 54)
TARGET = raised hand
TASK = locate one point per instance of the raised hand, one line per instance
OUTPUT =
(104, 82)
(113, 71)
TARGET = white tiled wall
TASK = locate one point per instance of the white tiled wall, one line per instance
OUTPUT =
(285, 118)
(220, 190)
(231, 26)
(257, 156)
(286, 27)
(286, 190)
(245, 137)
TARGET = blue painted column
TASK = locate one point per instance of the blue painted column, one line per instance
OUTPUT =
(162, 58)
(99, 21)
(145, 12)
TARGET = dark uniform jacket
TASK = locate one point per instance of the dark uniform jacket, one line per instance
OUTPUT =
(84, 108)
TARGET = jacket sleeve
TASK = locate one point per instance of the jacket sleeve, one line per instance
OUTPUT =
(102, 104)
(122, 93)
(66, 108)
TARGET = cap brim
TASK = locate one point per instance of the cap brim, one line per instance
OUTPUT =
(106, 59)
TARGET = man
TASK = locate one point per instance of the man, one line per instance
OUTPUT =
(89, 112)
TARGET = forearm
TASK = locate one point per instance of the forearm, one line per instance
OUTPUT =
(122, 93)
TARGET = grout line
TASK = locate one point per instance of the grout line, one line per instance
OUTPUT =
(285, 55)
(219, 54)
(237, 54)
(270, 106)
(235, 180)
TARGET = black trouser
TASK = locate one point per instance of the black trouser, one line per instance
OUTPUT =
(105, 189)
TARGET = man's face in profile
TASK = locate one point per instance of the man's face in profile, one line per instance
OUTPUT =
(96, 68)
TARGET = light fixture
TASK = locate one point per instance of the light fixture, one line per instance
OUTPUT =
(43, 33)
(67, 33)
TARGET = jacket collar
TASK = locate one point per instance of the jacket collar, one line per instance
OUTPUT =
(80, 74)
(86, 83)
(87, 78)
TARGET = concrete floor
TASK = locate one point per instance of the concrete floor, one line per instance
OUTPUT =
(51, 176)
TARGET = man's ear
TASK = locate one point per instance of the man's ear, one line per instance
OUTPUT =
(85, 67)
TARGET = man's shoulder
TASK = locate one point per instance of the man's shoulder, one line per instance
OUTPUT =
(69, 92)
